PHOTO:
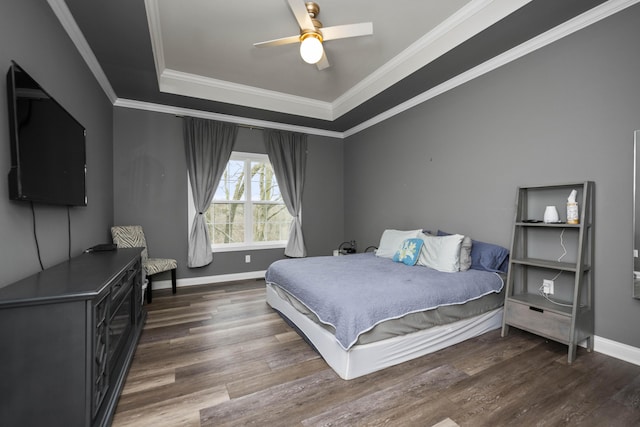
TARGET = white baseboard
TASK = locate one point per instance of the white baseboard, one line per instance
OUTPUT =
(601, 345)
(618, 350)
(205, 280)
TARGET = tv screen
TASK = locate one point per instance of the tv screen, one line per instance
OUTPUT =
(48, 159)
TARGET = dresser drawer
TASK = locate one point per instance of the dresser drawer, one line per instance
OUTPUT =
(542, 322)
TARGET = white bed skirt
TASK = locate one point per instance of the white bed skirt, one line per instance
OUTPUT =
(363, 359)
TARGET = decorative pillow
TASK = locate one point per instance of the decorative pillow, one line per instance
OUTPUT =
(489, 257)
(409, 251)
(392, 239)
(441, 253)
(465, 250)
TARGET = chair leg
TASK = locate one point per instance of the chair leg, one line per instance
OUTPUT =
(173, 280)
(149, 290)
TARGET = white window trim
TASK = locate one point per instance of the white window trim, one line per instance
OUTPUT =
(232, 247)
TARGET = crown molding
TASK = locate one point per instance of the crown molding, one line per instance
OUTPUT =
(586, 19)
(186, 84)
(470, 20)
(179, 83)
(63, 14)
(567, 28)
(243, 121)
(157, 48)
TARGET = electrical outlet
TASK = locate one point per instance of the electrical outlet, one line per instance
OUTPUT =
(247, 259)
(547, 287)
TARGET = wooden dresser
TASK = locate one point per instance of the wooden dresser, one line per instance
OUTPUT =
(68, 335)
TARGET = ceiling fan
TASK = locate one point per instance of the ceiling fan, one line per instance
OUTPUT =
(312, 34)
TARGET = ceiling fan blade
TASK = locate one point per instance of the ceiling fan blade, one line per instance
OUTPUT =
(349, 30)
(324, 62)
(302, 15)
(278, 42)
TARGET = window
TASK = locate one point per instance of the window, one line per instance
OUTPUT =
(247, 213)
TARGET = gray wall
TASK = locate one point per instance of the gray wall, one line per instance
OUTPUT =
(564, 113)
(150, 186)
(31, 35)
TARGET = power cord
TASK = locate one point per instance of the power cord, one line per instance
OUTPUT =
(562, 244)
(35, 235)
(350, 250)
(546, 296)
(69, 229)
(564, 252)
(541, 288)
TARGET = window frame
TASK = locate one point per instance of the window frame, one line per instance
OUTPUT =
(248, 215)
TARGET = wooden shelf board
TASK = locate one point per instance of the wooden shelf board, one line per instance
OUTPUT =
(544, 263)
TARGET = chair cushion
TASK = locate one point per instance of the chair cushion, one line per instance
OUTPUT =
(158, 265)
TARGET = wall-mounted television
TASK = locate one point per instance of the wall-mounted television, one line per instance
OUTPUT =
(48, 152)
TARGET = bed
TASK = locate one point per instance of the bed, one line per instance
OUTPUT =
(366, 312)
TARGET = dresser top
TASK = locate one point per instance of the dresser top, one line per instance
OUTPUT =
(81, 277)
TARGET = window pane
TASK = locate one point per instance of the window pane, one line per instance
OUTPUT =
(247, 206)
(270, 222)
(264, 186)
(226, 222)
(231, 186)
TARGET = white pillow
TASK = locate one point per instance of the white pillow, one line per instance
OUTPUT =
(391, 241)
(441, 253)
(465, 253)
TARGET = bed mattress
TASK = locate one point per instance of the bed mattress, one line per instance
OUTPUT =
(355, 293)
(410, 323)
(364, 359)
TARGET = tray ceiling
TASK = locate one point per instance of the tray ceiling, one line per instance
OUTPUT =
(199, 54)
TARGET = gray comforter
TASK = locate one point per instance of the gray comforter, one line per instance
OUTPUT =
(356, 292)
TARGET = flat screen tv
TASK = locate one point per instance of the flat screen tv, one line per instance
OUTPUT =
(48, 153)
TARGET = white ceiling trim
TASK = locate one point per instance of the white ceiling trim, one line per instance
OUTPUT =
(590, 17)
(470, 20)
(63, 14)
(579, 22)
(179, 83)
(179, 111)
(153, 19)
(582, 21)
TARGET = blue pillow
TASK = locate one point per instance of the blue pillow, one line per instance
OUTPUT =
(487, 256)
(409, 251)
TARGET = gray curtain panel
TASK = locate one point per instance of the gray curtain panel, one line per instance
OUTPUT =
(208, 146)
(288, 155)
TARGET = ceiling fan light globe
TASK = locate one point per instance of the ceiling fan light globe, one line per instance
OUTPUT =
(311, 50)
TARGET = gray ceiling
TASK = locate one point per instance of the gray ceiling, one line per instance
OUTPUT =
(219, 49)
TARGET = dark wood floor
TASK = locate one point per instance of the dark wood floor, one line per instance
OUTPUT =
(218, 355)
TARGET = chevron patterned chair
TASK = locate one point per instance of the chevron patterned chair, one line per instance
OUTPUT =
(132, 236)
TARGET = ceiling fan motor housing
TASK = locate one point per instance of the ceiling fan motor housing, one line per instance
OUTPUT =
(312, 8)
